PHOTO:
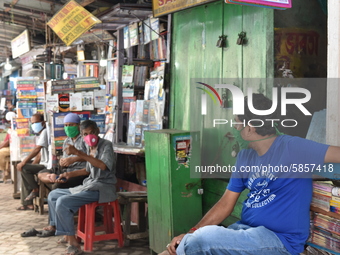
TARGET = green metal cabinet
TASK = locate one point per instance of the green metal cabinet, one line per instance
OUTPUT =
(174, 205)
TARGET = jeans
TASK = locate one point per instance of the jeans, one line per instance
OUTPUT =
(237, 239)
(62, 205)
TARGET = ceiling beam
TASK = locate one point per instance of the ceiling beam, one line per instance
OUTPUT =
(14, 2)
(86, 2)
(21, 20)
(30, 11)
(50, 2)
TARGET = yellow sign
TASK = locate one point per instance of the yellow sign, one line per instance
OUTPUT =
(71, 22)
(162, 7)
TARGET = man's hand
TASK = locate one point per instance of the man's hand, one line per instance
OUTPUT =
(61, 176)
(65, 162)
(20, 166)
(71, 150)
(52, 177)
(174, 243)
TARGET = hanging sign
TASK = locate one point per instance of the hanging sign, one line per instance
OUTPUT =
(71, 22)
(20, 44)
(162, 7)
(274, 4)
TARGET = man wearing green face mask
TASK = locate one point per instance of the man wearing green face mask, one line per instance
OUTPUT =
(68, 163)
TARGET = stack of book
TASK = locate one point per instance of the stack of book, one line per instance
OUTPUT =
(144, 115)
(322, 195)
(62, 86)
(27, 97)
(326, 232)
(88, 83)
(40, 98)
(89, 69)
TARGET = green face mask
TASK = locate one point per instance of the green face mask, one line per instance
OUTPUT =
(71, 131)
(243, 144)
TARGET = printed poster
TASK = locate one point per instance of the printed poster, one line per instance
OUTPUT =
(64, 102)
(88, 101)
(52, 103)
(99, 98)
(76, 101)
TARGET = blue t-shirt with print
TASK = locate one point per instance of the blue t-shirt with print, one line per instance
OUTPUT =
(280, 187)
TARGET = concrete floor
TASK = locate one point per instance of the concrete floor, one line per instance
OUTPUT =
(13, 222)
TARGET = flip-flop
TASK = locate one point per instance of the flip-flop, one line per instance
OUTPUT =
(73, 250)
(24, 208)
(46, 233)
(31, 232)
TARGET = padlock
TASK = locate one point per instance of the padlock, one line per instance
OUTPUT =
(241, 38)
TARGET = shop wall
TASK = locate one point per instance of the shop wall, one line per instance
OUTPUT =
(301, 46)
(195, 57)
(306, 48)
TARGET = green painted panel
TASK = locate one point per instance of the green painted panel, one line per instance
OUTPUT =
(258, 23)
(194, 55)
(232, 54)
(174, 205)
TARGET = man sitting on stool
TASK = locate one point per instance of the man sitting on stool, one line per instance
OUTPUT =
(98, 186)
(68, 162)
(29, 186)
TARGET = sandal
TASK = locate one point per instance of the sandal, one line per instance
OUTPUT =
(25, 207)
(32, 195)
(46, 233)
(31, 232)
(73, 250)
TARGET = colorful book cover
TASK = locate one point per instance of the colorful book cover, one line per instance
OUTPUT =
(133, 33)
(147, 31)
(154, 22)
(139, 111)
(64, 102)
(126, 104)
(126, 37)
(100, 120)
(88, 101)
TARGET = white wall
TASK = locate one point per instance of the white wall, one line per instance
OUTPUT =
(333, 69)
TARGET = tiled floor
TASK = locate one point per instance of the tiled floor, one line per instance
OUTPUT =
(13, 222)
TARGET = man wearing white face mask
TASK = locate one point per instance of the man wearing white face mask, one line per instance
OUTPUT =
(29, 186)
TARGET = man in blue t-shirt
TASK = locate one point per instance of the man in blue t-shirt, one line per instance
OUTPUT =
(277, 170)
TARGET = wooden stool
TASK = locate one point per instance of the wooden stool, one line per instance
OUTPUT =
(86, 224)
(125, 199)
(38, 202)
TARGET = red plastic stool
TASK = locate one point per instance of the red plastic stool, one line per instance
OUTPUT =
(86, 224)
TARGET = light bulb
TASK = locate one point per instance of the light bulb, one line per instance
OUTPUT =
(8, 65)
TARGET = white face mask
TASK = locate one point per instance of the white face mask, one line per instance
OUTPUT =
(37, 127)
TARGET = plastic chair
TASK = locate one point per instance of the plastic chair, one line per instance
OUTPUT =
(86, 224)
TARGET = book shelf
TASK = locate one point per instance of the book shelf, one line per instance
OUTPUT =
(88, 68)
(139, 55)
(330, 214)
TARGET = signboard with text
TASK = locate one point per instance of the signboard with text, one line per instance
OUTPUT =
(162, 7)
(71, 22)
